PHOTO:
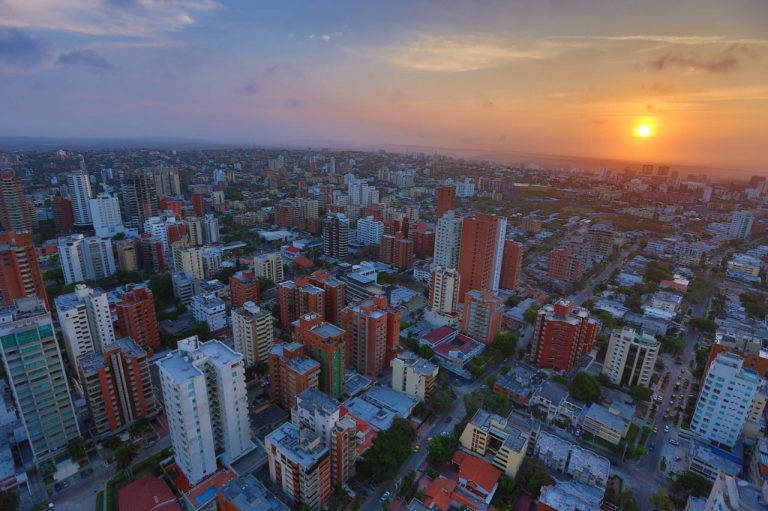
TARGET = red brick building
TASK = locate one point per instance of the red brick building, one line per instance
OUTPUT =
(20, 274)
(136, 318)
(511, 265)
(372, 335)
(480, 256)
(243, 287)
(63, 216)
(325, 343)
(291, 372)
(564, 265)
(299, 297)
(445, 200)
(483, 315)
(169, 204)
(423, 241)
(562, 333)
(335, 294)
(396, 250)
(198, 204)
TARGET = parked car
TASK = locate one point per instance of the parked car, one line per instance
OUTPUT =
(385, 496)
(674, 441)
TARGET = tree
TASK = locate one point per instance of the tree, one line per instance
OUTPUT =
(506, 493)
(627, 501)
(389, 450)
(161, 286)
(139, 427)
(442, 447)
(661, 501)
(530, 315)
(506, 343)
(691, 484)
(54, 275)
(125, 456)
(77, 449)
(441, 400)
(425, 352)
(585, 388)
(640, 393)
(9, 501)
(532, 475)
(512, 301)
(498, 404)
(705, 325)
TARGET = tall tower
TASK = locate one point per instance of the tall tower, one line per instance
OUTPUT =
(445, 200)
(80, 192)
(480, 256)
(136, 318)
(447, 241)
(511, 265)
(140, 198)
(336, 236)
(105, 214)
(253, 332)
(17, 213)
(20, 274)
(36, 374)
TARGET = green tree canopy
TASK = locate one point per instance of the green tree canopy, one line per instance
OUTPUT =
(532, 475)
(585, 388)
(640, 393)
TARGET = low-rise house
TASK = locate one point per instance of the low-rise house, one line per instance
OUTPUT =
(610, 423)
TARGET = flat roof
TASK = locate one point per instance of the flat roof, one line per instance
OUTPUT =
(300, 446)
(327, 330)
(397, 402)
(248, 494)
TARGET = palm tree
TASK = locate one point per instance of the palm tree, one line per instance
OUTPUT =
(125, 456)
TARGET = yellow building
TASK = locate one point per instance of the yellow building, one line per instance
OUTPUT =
(502, 441)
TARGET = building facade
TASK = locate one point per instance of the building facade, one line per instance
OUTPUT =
(481, 253)
(630, 358)
(253, 332)
(562, 333)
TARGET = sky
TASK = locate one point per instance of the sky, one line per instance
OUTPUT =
(572, 77)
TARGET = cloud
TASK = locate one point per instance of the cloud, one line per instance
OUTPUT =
(428, 52)
(729, 60)
(251, 88)
(692, 40)
(84, 57)
(321, 37)
(129, 18)
(19, 49)
(293, 103)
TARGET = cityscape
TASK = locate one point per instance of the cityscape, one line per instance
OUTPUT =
(354, 272)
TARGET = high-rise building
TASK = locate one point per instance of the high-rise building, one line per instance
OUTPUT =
(198, 204)
(444, 291)
(483, 315)
(325, 343)
(562, 333)
(117, 385)
(423, 241)
(175, 206)
(300, 465)
(397, 251)
(269, 266)
(194, 230)
(725, 400)
(564, 265)
(253, 332)
(741, 225)
(511, 265)
(209, 308)
(372, 335)
(287, 213)
(190, 260)
(85, 321)
(79, 185)
(84, 258)
(127, 259)
(35, 372)
(335, 294)
(210, 226)
(140, 198)
(17, 212)
(320, 413)
(105, 214)
(243, 287)
(299, 297)
(369, 231)
(206, 404)
(291, 372)
(167, 182)
(20, 274)
(136, 318)
(630, 358)
(445, 200)
(480, 256)
(63, 216)
(413, 375)
(600, 239)
(336, 236)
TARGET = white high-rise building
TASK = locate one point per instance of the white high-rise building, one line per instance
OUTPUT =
(448, 240)
(725, 400)
(210, 226)
(79, 186)
(210, 309)
(630, 358)
(317, 411)
(253, 332)
(369, 231)
(444, 291)
(269, 266)
(86, 258)
(157, 227)
(206, 404)
(85, 321)
(413, 375)
(191, 262)
(741, 224)
(105, 214)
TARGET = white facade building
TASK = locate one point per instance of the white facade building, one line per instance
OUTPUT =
(79, 186)
(369, 231)
(85, 321)
(741, 225)
(269, 266)
(191, 262)
(210, 227)
(86, 258)
(206, 404)
(105, 214)
(725, 400)
(413, 375)
(447, 240)
(630, 357)
(253, 332)
(211, 309)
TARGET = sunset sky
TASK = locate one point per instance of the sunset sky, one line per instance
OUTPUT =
(555, 76)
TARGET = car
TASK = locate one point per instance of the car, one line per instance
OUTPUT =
(674, 441)
(429, 439)
(385, 496)
(655, 429)
(678, 458)
(666, 428)
(57, 486)
(415, 448)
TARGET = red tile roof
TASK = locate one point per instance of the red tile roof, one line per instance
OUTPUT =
(304, 262)
(145, 494)
(438, 493)
(478, 474)
(438, 334)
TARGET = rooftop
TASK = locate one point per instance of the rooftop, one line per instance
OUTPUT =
(377, 417)
(571, 496)
(146, 494)
(249, 494)
(314, 400)
(301, 365)
(417, 364)
(716, 457)
(602, 415)
(327, 330)
(300, 446)
(397, 402)
(476, 471)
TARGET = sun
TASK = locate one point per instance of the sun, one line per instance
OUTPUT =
(644, 131)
